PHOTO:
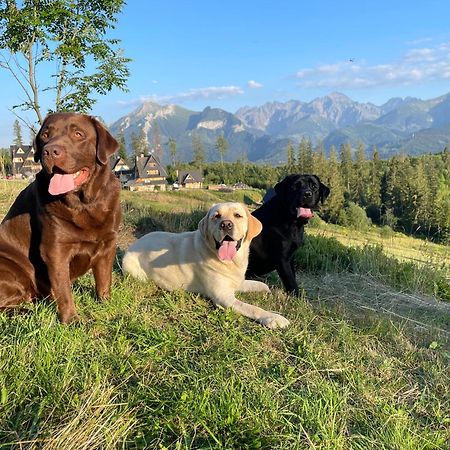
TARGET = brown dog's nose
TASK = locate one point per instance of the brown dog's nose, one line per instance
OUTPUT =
(55, 151)
(226, 225)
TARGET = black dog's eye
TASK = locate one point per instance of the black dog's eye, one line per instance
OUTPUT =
(314, 187)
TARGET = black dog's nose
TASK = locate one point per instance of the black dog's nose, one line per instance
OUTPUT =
(307, 194)
(226, 225)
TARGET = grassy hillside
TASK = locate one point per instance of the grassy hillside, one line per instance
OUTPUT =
(152, 369)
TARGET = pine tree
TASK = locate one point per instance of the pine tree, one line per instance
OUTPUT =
(361, 176)
(290, 165)
(334, 181)
(302, 155)
(17, 134)
(319, 166)
(374, 186)
(347, 171)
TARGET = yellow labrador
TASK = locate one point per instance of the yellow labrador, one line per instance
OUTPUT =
(210, 261)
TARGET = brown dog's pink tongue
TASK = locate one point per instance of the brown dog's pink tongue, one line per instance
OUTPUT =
(227, 250)
(306, 213)
(60, 184)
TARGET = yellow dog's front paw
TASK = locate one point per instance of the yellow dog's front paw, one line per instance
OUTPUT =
(274, 321)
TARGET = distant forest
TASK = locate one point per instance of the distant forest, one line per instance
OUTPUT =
(408, 194)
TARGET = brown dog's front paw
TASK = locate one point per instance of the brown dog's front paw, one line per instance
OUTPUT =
(69, 318)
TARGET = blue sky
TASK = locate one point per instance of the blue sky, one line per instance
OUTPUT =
(235, 53)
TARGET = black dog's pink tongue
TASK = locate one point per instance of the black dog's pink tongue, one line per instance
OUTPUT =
(305, 213)
(60, 184)
(227, 250)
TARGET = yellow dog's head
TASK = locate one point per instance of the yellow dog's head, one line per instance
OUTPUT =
(227, 226)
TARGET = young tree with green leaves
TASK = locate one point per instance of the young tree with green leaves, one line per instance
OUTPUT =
(158, 149)
(173, 151)
(122, 151)
(198, 151)
(222, 147)
(139, 144)
(66, 39)
(5, 161)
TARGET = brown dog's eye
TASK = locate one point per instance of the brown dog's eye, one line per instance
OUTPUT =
(78, 134)
(44, 135)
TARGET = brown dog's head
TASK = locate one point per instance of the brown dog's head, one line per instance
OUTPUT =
(70, 146)
(227, 226)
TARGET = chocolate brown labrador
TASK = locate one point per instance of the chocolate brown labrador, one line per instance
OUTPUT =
(66, 221)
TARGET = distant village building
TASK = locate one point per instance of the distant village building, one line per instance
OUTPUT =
(22, 158)
(149, 175)
(121, 169)
(190, 179)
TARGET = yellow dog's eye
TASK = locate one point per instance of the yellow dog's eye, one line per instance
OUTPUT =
(237, 215)
(217, 215)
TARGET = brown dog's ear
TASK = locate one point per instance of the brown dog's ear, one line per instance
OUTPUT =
(106, 144)
(36, 143)
(37, 149)
(254, 226)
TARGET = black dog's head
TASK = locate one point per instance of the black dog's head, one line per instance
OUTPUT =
(301, 193)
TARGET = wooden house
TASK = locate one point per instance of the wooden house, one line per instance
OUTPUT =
(149, 175)
(121, 169)
(190, 179)
(22, 158)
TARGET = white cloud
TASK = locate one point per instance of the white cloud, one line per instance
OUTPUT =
(210, 93)
(252, 84)
(418, 65)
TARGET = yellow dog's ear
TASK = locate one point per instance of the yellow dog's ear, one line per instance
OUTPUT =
(203, 226)
(254, 226)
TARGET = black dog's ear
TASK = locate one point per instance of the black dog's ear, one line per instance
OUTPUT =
(106, 144)
(324, 191)
(281, 187)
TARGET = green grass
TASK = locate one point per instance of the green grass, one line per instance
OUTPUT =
(150, 369)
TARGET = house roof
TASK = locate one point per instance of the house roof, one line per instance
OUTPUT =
(148, 162)
(120, 163)
(190, 176)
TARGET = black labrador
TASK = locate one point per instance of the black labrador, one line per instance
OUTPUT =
(284, 215)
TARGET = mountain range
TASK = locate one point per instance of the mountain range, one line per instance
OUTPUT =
(261, 134)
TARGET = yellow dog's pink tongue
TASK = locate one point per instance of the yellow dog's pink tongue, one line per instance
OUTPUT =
(227, 250)
(60, 184)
